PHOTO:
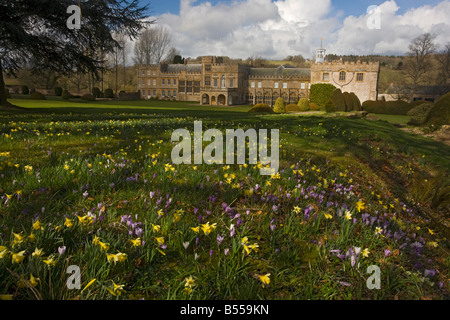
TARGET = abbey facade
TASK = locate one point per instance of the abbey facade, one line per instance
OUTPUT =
(213, 82)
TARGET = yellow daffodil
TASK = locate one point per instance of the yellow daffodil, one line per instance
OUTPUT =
(18, 257)
(37, 225)
(117, 289)
(378, 230)
(104, 246)
(328, 216)
(68, 223)
(136, 242)
(360, 206)
(160, 212)
(31, 237)
(265, 279)
(160, 240)
(365, 252)
(196, 229)
(156, 228)
(207, 228)
(89, 284)
(37, 252)
(297, 209)
(348, 215)
(189, 282)
(50, 261)
(34, 281)
(3, 252)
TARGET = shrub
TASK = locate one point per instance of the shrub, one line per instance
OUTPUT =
(348, 102)
(280, 106)
(261, 108)
(109, 93)
(356, 102)
(37, 96)
(25, 90)
(329, 106)
(292, 108)
(419, 114)
(440, 113)
(338, 101)
(389, 107)
(314, 107)
(58, 91)
(321, 92)
(97, 93)
(303, 104)
(88, 97)
(66, 95)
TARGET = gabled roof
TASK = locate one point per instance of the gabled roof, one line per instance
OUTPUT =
(189, 68)
(429, 90)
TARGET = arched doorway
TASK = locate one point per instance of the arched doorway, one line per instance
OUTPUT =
(221, 100)
(205, 99)
(213, 100)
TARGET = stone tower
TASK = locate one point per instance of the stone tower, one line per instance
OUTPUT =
(321, 53)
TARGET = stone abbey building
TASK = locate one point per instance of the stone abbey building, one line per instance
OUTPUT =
(214, 82)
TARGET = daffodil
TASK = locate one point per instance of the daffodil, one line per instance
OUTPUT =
(37, 252)
(348, 215)
(18, 238)
(189, 282)
(50, 261)
(360, 206)
(18, 257)
(34, 281)
(378, 230)
(207, 228)
(3, 252)
(89, 284)
(104, 246)
(136, 242)
(37, 225)
(196, 229)
(265, 279)
(328, 216)
(156, 228)
(365, 252)
(160, 240)
(297, 209)
(68, 223)
(117, 289)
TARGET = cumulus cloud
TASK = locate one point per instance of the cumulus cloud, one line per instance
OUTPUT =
(275, 29)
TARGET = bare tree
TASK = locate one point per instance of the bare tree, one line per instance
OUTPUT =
(443, 59)
(153, 44)
(171, 54)
(418, 62)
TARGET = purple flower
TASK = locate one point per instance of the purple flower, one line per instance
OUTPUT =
(429, 273)
(210, 253)
(226, 251)
(138, 232)
(219, 239)
(62, 250)
(387, 253)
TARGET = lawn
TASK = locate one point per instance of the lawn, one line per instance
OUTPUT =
(93, 185)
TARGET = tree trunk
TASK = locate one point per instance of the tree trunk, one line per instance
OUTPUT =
(3, 97)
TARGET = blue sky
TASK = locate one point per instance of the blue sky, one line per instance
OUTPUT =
(349, 7)
(278, 28)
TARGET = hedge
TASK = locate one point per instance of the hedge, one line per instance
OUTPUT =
(329, 106)
(348, 102)
(314, 107)
(356, 102)
(109, 93)
(419, 114)
(321, 92)
(88, 97)
(338, 101)
(37, 96)
(303, 104)
(58, 91)
(261, 108)
(389, 107)
(97, 93)
(280, 106)
(440, 113)
(292, 108)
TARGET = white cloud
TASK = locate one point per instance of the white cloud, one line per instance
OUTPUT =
(288, 27)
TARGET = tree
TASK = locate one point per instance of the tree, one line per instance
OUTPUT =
(153, 44)
(280, 106)
(418, 62)
(37, 33)
(443, 59)
(172, 54)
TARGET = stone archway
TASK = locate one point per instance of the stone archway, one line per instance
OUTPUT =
(221, 100)
(205, 99)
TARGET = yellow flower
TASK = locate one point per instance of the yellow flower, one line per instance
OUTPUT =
(190, 282)
(328, 216)
(160, 240)
(297, 209)
(37, 252)
(36, 225)
(136, 242)
(68, 223)
(348, 215)
(207, 228)
(160, 212)
(89, 284)
(430, 231)
(156, 228)
(34, 281)
(117, 289)
(265, 279)
(360, 206)
(50, 261)
(104, 246)
(365, 252)
(96, 241)
(3, 252)
(378, 230)
(18, 257)
(196, 229)
(31, 237)
(244, 240)
(118, 257)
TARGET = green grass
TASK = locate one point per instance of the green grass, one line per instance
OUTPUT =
(394, 119)
(106, 167)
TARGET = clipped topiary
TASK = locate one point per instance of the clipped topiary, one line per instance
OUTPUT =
(348, 102)
(37, 96)
(109, 93)
(303, 104)
(338, 100)
(58, 91)
(314, 107)
(376, 107)
(440, 113)
(280, 106)
(292, 108)
(356, 102)
(88, 97)
(321, 92)
(329, 106)
(25, 90)
(419, 114)
(66, 95)
(261, 108)
(97, 93)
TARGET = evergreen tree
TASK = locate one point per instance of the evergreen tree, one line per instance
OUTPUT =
(37, 33)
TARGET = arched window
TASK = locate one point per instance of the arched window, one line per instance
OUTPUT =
(342, 76)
